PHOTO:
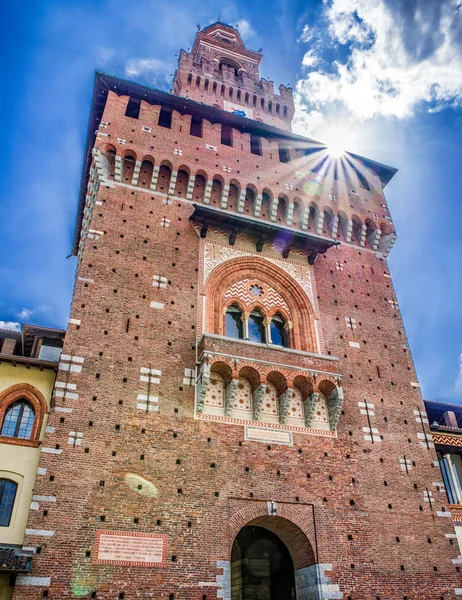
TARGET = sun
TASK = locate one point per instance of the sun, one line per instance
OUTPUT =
(339, 138)
(336, 150)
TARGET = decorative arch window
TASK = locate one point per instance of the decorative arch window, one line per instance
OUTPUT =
(278, 331)
(8, 491)
(19, 420)
(256, 327)
(234, 324)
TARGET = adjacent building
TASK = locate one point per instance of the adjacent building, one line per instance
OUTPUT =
(236, 414)
(28, 365)
(446, 426)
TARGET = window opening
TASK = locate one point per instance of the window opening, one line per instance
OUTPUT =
(165, 118)
(278, 331)
(226, 135)
(19, 420)
(256, 327)
(284, 154)
(133, 108)
(234, 327)
(255, 145)
(7, 495)
(196, 127)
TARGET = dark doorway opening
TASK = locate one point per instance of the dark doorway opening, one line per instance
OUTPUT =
(261, 566)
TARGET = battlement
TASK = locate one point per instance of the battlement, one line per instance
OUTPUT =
(245, 168)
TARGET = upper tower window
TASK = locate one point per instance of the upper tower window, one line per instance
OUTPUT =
(255, 145)
(196, 126)
(165, 117)
(284, 154)
(133, 108)
(226, 135)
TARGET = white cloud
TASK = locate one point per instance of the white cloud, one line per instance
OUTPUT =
(392, 57)
(25, 314)
(245, 29)
(310, 59)
(10, 325)
(146, 67)
(306, 35)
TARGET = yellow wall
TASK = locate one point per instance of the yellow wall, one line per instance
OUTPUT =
(19, 463)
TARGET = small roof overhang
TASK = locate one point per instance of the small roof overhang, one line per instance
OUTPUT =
(261, 231)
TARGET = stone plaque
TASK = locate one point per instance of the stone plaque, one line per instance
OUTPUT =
(270, 436)
(130, 548)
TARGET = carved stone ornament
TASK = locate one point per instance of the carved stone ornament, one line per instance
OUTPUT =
(258, 397)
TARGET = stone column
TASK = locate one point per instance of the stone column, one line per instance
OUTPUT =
(136, 172)
(258, 201)
(118, 168)
(190, 191)
(154, 178)
(171, 187)
(224, 196)
(241, 201)
(208, 191)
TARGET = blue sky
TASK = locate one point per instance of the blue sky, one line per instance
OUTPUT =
(385, 75)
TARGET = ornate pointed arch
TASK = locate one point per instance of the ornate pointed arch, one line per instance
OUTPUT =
(252, 267)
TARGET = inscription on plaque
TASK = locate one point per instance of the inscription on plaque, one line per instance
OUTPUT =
(261, 434)
(127, 548)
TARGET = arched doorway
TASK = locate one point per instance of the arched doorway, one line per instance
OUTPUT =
(261, 566)
(272, 559)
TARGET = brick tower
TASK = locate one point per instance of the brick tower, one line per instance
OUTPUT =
(239, 416)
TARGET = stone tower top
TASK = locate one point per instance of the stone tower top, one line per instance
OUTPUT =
(222, 72)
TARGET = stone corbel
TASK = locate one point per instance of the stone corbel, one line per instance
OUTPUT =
(334, 406)
(310, 408)
(230, 395)
(257, 400)
(203, 385)
(285, 400)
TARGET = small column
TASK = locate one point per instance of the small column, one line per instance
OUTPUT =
(349, 231)
(171, 188)
(335, 226)
(290, 213)
(208, 191)
(258, 201)
(376, 239)
(274, 208)
(155, 176)
(305, 217)
(267, 324)
(241, 201)
(136, 172)
(118, 168)
(224, 196)
(245, 325)
(319, 223)
(190, 190)
(362, 241)
(454, 481)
